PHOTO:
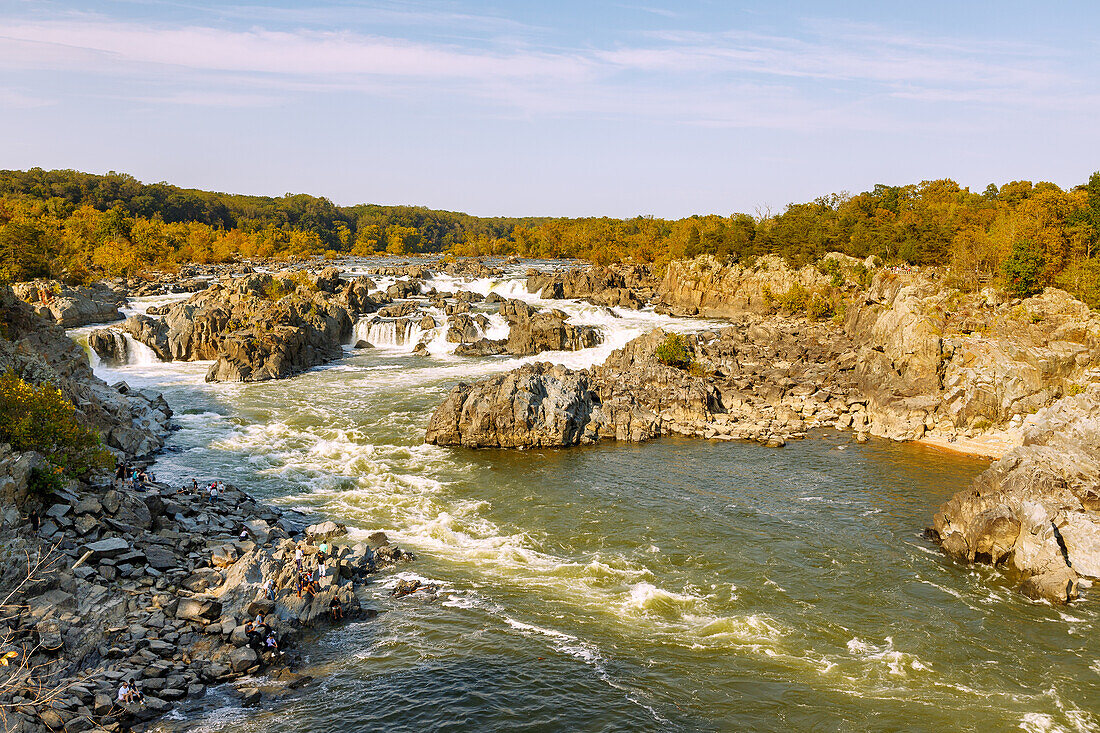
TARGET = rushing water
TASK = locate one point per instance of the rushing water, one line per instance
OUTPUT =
(675, 585)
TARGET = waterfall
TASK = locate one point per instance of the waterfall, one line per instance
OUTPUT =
(137, 353)
(400, 333)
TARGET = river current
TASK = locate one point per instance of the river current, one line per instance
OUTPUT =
(674, 585)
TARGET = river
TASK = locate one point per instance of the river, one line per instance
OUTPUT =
(675, 585)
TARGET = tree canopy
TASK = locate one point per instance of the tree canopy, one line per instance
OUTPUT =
(1019, 235)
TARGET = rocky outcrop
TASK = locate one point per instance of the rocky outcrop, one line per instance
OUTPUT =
(258, 327)
(132, 422)
(532, 331)
(1036, 512)
(627, 286)
(932, 359)
(537, 406)
(751, 381)
(70, 307)
(157, 586)
(707, 287)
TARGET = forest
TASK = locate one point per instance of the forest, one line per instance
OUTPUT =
(77, 226)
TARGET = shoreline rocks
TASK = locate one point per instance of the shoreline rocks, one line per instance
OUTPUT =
(1036, 512)
(157, 585)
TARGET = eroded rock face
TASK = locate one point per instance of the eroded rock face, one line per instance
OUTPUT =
(706, 287)
(931, 358)
(133, 422)
(70, 307)
(1037, 510)
(257, 327)
(538, 405)
(627, 286)
(750, 382)
(532, 331)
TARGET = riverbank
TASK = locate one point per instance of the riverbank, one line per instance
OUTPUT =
(157, 584)
(994, 444)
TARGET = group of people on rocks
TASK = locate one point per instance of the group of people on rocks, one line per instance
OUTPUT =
(132, 477)
(261, 637)
(129, 693)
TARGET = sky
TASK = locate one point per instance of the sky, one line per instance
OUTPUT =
(556, 107)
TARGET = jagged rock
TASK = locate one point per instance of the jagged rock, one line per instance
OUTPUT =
(537, 405)
(198, 609)
(483, 347)
(242, 659)
(107, 548)
(109, 344)
(70, 307)
(1037, 494)
(325, 531)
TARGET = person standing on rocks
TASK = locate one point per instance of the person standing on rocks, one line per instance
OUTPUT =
(269, 589)
(298, 558)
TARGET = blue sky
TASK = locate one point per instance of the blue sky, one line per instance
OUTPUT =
(554, 108)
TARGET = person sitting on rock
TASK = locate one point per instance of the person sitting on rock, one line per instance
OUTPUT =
(244, 534)
(336, 609)
(136, 695)
(271, 645)
(124, 694)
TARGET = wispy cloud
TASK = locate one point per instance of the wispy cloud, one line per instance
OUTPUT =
(19, 99)
(822, 75)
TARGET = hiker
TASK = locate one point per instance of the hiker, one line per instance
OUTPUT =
(213, 492)
(336, 609)
(120, 475)
(299, 580)
(195, 486)
(255, 637)
(298, 558)
(269, 589)
(35, 519)
(322, 551)
(322, 569)
(124, 695)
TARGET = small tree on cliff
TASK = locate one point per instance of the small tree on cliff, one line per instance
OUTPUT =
(673, 352)
(1023, 267)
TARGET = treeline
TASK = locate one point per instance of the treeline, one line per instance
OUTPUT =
(74, 225)
(1019, 235)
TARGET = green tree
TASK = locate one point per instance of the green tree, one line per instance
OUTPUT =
(1022, 268)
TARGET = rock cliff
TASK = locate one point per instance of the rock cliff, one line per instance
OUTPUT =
(258, 327)
(132, 422)
(72, 306)
(1036, 512)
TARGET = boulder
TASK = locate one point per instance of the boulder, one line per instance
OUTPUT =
(106, 548)
(325, 531)
(242, 659)
(198, 609)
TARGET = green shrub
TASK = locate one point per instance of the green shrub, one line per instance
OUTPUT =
(45, 481)
(819, 307)
(794, 300)
(39, 418)
(673, 352)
